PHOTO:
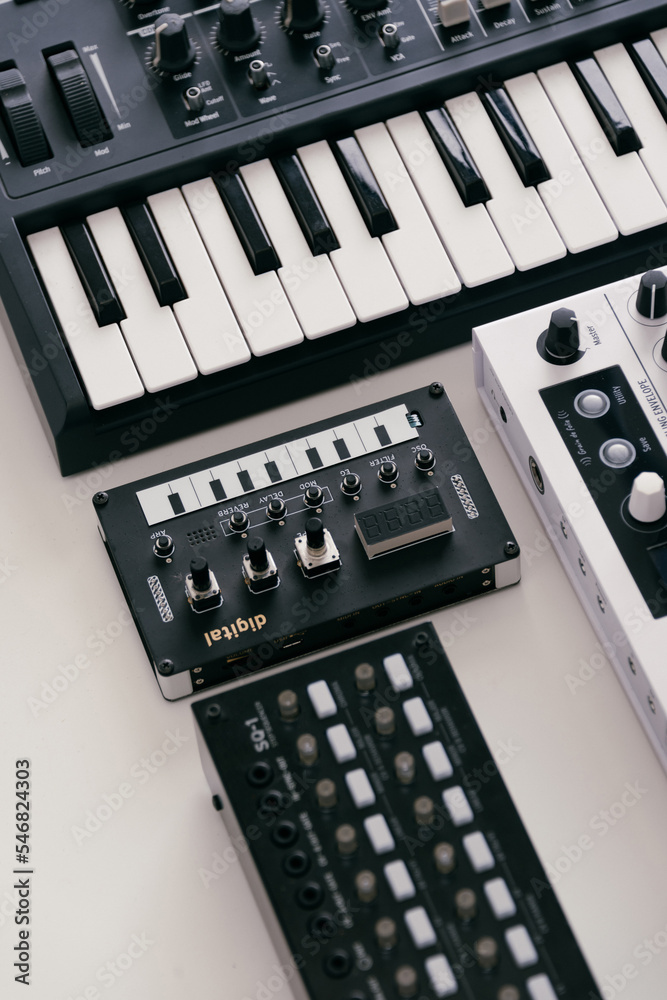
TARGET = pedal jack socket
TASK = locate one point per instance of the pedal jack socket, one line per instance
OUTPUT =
(201, 586)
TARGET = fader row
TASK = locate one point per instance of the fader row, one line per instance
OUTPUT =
(200, 279)
(351, 779)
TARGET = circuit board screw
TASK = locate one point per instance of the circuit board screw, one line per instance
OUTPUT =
(511, 548)
(436, 389)
(99, 499)
(165, 667)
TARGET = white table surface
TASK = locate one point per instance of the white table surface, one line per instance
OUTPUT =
(145, 880)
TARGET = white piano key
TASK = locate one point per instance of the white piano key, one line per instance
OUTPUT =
(259, 300)
(570, 196)
(521, 945)
(341, 743)
(150, 330)
(226, 475)
(398, 672)
(517, 211)
(157, 506)
(622, 181)
(101, 355)
(399, 879)
(205, 317)
(360, 788)
(281, 457)
(361, 261)
(457, 805)
(437, 761)
(255, 467)
(310, 282)
(640, 108)
(500, 898)
(379, 834)
(421, 929)
(416, 713)
(472, 241)
(660, 41)
(414, 249)
(441, 976)
(322, 699)
(478, 851)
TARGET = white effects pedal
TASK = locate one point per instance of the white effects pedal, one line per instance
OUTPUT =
(578, 392)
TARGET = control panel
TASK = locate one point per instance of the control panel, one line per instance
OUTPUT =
(578, 390)
(382, 864)
(81, 92)
(304, 540)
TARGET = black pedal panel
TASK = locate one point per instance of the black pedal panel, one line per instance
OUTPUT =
(307, 539)
(383, 866)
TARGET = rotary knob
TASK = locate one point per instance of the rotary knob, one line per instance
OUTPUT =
(174, 49)
(647, 500)
(652, 295)
(237, 29)
(562, 340)
(364, 5)
(302, 15)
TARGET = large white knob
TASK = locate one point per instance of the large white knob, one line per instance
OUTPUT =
(647, 500)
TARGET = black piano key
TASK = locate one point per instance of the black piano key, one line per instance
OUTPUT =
(382, 435)
(93, 274)
(606, 106)
(313, 456)
(273, 472)
(176, 503)
(246, 482)
(341, 448)
(364, 187)
(305, 205)
(217, 490)
(247, 223)
(515, 138)
(159, 266)
(653, 71)
(453, 152)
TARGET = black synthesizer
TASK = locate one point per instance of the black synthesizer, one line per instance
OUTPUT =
(211, 208)
(380, 842)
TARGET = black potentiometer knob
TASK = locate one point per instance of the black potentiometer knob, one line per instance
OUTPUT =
(364, 5)
(237, 29)
(200, 573)
(174, 49)
(302, 15)
(315, 533)
(652, 295)
(257, 554)
(562, 340)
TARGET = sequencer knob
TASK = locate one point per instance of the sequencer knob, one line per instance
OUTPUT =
(174, 49)
(652, 295)
(237, 29)
(302, 15)
(647, 500)
(562, 340)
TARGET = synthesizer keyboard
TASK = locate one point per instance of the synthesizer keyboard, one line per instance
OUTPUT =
(210, 209)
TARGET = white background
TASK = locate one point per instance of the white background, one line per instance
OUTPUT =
(142, 876)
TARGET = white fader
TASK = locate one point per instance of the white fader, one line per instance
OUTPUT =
(578, 392)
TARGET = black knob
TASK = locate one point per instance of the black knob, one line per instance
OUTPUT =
(388, 472)
(276, 510)
(257, 554)
(390, 37)
(351, 484)
(199, 571)
(363, 5)
(313, 496)
(174, 49)
(237, 29)
(315, 533)
(238, 521)
(424, 459)
(562, 340)
(164, 546)
(302, 15)
(652, 295)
